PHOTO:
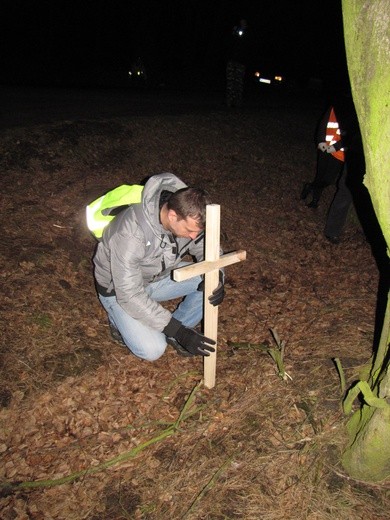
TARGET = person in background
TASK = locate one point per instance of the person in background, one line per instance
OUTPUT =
(133, 272)
(330, 157)
(237, 60)
(350, 187)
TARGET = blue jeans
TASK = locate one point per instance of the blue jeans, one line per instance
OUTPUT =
(147, 343)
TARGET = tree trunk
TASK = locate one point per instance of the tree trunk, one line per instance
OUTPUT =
(368, 455)
(367, 42)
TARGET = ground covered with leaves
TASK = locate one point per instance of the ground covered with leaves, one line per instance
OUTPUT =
(88, 431)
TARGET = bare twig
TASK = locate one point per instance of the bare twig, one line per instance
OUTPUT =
(208, 486)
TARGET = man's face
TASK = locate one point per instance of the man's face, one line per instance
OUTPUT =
(184, 228)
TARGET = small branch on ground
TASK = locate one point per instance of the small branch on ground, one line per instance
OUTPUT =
(7, 488)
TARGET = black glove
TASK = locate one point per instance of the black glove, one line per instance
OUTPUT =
(219, 293)
(191, 340)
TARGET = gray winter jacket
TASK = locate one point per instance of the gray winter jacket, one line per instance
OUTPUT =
(125, 261)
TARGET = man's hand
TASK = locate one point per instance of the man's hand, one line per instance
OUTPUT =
(322, 146)
(192, 341)
(218, 294)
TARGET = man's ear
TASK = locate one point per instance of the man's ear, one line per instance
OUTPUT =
(172, 215)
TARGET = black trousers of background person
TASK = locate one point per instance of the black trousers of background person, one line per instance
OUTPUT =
(338, 210)
(328, 171)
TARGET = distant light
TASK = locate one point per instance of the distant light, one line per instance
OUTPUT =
(240, 33)
(263, 80)
(278, 78)
(257, 74)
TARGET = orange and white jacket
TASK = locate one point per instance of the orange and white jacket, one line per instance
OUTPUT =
(333, 135)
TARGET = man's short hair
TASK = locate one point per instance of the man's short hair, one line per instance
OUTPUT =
(190, 202)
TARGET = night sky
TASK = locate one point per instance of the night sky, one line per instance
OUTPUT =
(64, 42)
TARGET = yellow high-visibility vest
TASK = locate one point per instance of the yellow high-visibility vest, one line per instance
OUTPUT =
(101, 211)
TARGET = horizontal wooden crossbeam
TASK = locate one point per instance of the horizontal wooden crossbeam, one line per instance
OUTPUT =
(184, 273)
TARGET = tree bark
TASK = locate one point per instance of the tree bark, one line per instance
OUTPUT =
(367, 42)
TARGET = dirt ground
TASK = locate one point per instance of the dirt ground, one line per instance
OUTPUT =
(88, 431)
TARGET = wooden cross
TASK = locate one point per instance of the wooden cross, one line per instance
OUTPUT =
(210, 268)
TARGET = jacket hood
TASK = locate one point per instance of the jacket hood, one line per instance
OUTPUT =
(151, 198)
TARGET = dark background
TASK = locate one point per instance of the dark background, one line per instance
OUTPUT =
(92, 43)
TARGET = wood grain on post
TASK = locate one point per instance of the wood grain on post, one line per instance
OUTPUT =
(210, 267)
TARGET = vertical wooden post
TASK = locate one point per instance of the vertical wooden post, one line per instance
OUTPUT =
(210, 268)
(212, 253)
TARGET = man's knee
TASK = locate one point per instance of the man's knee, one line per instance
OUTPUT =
(147, 353)
(154, 356)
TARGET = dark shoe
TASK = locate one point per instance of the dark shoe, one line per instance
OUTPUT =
(334, 240)
(179, 349)
(306, 190)
(313, 204)
(116, 335)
